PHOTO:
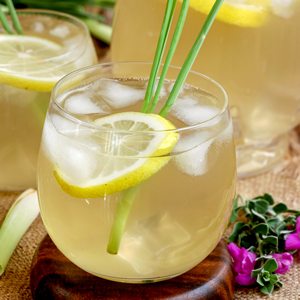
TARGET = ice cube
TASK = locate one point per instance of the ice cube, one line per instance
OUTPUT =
(118, 95)
(82, 104)
(151, 243)
(282, 8)
(38, 27)
(190, 112)
(61, 31)
(193, 162)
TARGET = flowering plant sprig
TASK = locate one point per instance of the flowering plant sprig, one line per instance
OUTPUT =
(262, 247)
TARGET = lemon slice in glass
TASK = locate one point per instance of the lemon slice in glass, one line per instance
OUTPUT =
(28, 62)
(136, 146)
(244, 13)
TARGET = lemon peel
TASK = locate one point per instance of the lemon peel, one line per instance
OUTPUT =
(150, 165)
(250, 14)
(25, 62)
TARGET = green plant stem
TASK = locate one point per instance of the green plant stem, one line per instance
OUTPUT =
(99, 30)
(191, 58)
(14, 16)
(175, 39)
(18, 219)
(159, 53)
(4, 21)
(123, 208)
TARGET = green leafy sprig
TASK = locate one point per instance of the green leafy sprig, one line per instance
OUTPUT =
(264, 234)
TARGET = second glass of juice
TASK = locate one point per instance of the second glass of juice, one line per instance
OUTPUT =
(53, 45)
(130, 196)
(252, 51)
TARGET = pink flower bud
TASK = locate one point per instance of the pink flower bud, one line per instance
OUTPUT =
(284, 261)
(243, 263)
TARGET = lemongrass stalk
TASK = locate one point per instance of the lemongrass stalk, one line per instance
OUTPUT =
(122, 211)
(191, 58)
(99, 30)
(14, 16)
(4, 21)
(159, 53)
(175, 39)
(18, 219)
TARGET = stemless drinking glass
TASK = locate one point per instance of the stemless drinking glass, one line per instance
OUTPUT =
(130, 196)
(53, 45)
(252, 51)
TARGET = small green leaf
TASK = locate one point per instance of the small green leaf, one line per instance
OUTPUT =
(273, 222)
(256, 272)
(238, 227)
(280, 284)
(270, 265)
(281, 227)
(269, 198)
(267, 289)
(280, 208)
(262, 228)
(235, 209)
(259, 280)
(260, 216)
(252, 249)
(270, 240)
(261, 206)
(273, 278)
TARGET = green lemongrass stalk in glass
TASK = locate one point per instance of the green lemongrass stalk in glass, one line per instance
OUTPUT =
(14, 18)
(127, 198)
(175, 39)
(18, 219)
(159, 52)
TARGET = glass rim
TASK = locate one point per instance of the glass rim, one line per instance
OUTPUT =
(71, 117)
(55, 14)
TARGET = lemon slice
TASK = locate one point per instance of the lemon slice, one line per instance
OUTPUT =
(134, 153)
(25, 62)
(247, 13)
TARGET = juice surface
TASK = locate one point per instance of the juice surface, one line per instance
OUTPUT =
(178, 214)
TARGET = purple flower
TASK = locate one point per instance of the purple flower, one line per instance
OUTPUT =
(292, 241)
(243, 264)
(284, 261)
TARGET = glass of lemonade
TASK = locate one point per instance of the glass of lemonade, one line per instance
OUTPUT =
(252, 51)
(53, 45)
(129, 196)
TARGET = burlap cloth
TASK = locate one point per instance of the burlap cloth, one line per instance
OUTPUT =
(283, 182)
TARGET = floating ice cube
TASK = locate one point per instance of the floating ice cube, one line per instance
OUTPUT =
(118, 95)
(38, 27)
(282, 8)
(82, 104)
(190, 112)
(194, 162)
(152, 243)
(61, 31)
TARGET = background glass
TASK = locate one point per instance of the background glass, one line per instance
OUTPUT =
(22, 110)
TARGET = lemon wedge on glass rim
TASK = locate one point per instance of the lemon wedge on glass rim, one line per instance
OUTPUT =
(137, 146)
(244, 13)
(27, 62)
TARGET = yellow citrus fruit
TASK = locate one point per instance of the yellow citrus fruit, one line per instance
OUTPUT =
(136, 146)
(26, 62)
(249, 13)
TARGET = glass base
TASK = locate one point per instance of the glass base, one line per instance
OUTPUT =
(256, 159)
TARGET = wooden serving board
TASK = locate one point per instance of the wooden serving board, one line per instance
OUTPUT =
(53, 276)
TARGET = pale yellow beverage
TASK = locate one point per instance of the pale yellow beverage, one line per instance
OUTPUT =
(52, 46)
(252, 50)
(100, 157)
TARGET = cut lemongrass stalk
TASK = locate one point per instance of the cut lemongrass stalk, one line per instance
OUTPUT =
(4, 21)
(18, 219)
(191, 58)
(14, 16)
(122, 211)
(159, 53)
(175, 39)
(99, 30)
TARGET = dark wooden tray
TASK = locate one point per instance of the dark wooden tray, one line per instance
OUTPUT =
(53, 276)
